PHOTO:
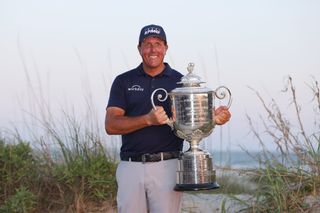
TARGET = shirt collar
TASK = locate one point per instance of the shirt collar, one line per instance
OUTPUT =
(166, 72)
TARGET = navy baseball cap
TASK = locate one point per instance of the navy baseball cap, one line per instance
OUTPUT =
(152, 30)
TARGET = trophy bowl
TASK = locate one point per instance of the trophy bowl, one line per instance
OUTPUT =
(192, 119)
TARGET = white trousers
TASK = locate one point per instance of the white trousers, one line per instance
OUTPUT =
(148, 187)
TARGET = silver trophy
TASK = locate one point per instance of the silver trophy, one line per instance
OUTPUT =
(192, 119)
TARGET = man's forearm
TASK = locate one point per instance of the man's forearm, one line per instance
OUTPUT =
(119, 125)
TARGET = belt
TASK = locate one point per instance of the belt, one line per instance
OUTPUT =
(152, 157)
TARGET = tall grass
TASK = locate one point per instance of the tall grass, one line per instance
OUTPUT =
(81, 170)
(69, 176)
(63, 165)
(288, 177)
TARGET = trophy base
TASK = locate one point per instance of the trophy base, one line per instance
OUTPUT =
(196, 187)
(195, 171)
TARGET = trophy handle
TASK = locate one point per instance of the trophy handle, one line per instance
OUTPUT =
(222, 92)
(160, 98)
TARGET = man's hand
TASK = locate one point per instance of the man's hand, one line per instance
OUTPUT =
(221, 115)
(157, 116)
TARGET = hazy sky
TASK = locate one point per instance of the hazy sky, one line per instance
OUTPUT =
(68, 50)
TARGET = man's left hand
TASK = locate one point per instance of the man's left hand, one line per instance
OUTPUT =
(222, 115)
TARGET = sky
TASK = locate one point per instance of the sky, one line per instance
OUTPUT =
(66, 53)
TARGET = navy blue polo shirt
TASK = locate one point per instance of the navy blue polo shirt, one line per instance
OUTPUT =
(132, 91)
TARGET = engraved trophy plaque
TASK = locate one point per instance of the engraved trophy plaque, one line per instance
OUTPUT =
(193, 109)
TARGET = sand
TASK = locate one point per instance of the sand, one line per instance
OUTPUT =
(203, 202)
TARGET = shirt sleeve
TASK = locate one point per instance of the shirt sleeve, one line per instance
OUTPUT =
(117, 97)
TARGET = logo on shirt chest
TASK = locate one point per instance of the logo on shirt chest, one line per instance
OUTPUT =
(137, 88)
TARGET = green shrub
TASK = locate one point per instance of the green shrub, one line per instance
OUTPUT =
(23, 201)
(92, 177)
(17, 168)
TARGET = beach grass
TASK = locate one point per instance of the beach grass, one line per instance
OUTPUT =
(68, 180)
(62, 164)
(288, 180)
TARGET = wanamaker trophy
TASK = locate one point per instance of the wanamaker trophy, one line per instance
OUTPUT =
(192, 108)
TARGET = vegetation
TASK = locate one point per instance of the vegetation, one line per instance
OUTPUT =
(64, 179)
(22, 201)
(287, 179)
(18, 174)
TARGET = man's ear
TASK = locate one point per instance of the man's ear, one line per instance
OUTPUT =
(166, 49)
(139, 49)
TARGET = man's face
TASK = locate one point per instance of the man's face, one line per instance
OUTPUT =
(152, 51)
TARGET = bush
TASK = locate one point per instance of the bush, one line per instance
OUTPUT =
(23, 201)
(17, 168)
(81, 176)
(91, 177)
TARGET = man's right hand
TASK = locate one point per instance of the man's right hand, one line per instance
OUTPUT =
(158, 116)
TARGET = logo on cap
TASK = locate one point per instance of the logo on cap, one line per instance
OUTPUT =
(151, 30)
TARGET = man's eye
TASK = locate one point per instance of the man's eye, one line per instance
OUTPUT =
(155, 45)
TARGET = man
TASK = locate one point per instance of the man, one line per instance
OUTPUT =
(146, 174)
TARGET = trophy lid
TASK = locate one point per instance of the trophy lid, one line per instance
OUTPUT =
(191, 80)
(190, 83)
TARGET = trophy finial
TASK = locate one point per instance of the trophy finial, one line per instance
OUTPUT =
(190, 67)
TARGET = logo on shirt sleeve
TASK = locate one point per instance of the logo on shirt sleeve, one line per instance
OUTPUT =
(136, 88)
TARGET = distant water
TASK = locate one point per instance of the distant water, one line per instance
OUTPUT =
(235, 159)
(243, 160)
